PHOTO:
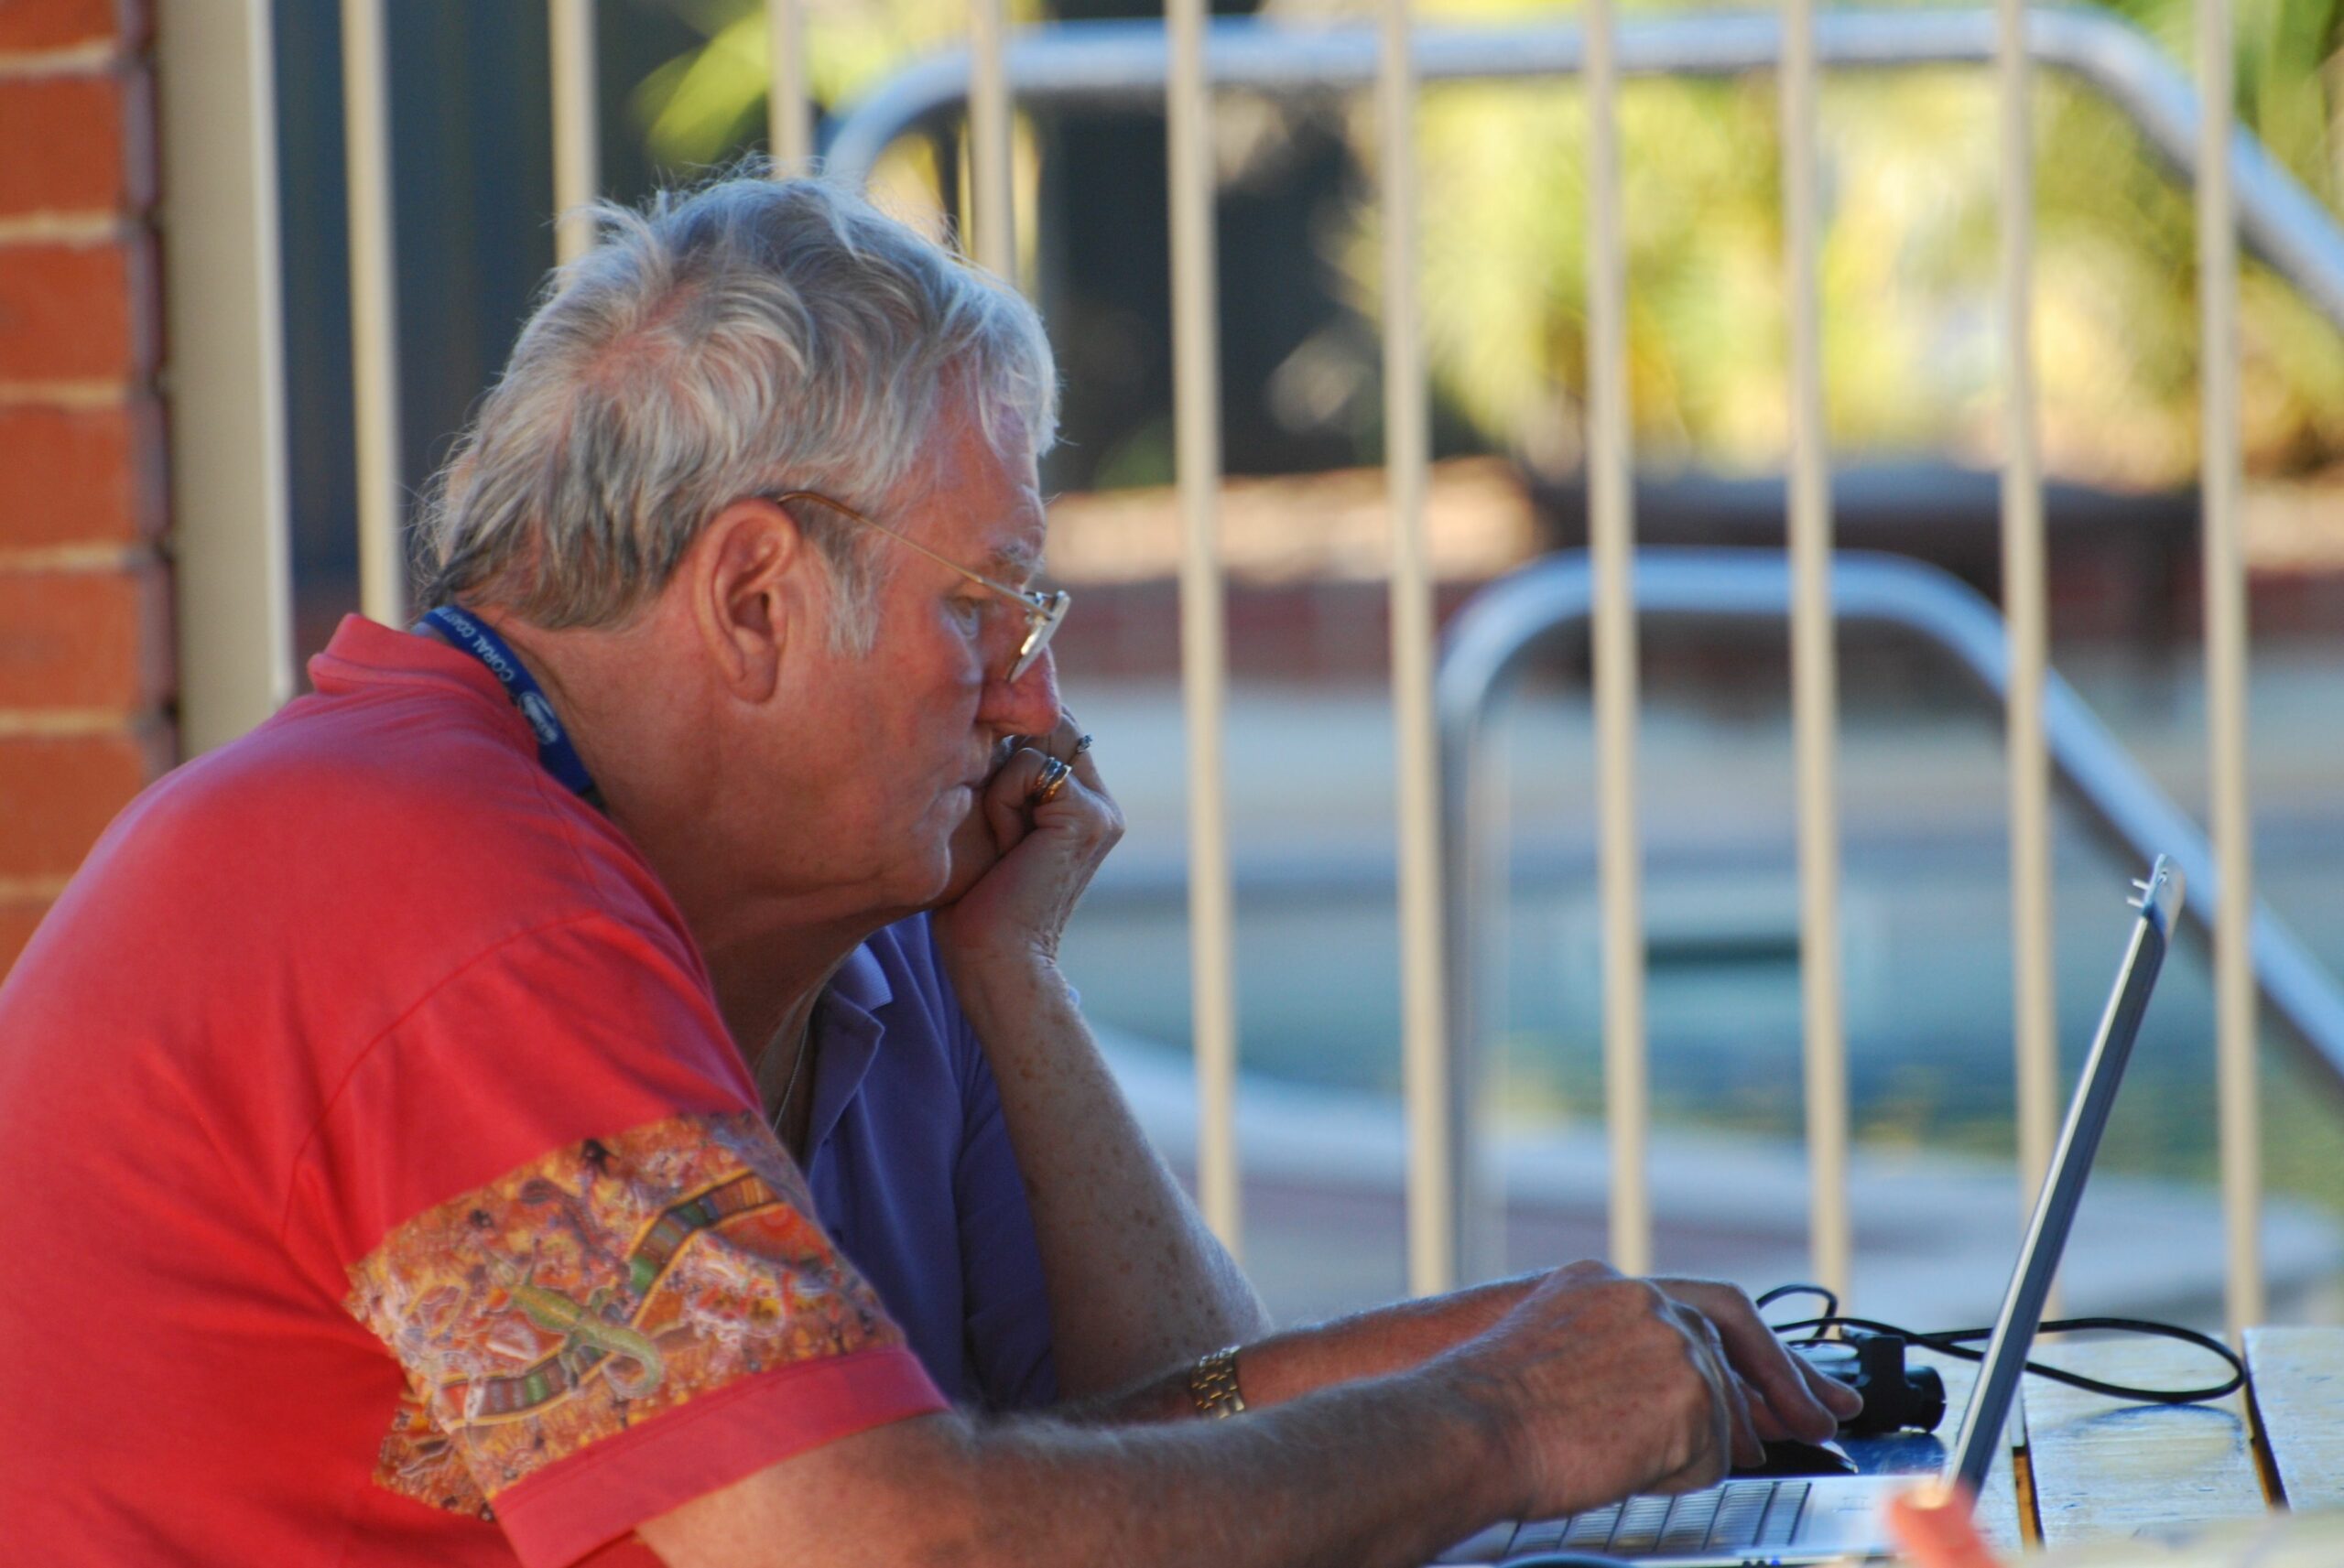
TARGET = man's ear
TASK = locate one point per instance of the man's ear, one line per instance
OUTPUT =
(754, 587)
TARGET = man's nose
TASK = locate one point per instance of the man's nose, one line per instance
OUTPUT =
(1026, 706)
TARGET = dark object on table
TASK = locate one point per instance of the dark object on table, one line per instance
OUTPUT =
(1896, 1397)
(1791, 1457)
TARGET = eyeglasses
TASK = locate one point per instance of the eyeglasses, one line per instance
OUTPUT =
(1043, 610)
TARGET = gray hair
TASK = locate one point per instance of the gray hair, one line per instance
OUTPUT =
(748, 337)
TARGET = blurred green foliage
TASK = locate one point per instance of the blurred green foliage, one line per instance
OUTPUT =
(1908, 275)
(703, 106)
(1911, 340)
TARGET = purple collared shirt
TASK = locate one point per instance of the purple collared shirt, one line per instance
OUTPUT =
(915, 1179)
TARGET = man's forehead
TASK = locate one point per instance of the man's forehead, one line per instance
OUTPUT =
(1010, 532)
(1020, 556)
(991, 501)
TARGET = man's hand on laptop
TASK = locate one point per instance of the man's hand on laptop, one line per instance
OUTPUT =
(1787, 1397)
(1612, 1385)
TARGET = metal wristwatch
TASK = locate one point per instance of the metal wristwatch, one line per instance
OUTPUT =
(1212, 1384)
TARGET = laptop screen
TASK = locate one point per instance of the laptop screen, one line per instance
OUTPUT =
(2063, 1184)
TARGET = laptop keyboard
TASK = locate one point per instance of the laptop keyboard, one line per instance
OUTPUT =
(1740, 1513)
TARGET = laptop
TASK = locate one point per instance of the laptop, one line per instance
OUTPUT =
(1805, 1520)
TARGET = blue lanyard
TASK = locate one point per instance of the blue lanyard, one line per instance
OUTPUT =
(555, 749)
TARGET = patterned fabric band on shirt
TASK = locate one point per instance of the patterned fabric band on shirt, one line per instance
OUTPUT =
(593, 1289)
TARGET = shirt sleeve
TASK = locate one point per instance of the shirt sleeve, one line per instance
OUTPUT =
(596, 1267)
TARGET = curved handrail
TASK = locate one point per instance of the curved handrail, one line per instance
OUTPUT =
(1124, 63)
(1501, 625)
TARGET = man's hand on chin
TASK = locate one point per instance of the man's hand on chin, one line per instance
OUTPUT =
(1021, 859)
(974, 850)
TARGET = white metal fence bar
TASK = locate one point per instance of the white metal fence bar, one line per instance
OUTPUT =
(1813, 673)
(233, 574)
(373, 337)
(1483, 885)
(2026, 608)
(1196, 383)
(1423, 1053)
(1612, 537)
(2226, 655)
(577, 140)
(992, 197)
(789, 119)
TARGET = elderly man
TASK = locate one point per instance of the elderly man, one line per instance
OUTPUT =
(512, 1104)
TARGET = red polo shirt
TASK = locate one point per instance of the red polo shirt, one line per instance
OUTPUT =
(377, 1180)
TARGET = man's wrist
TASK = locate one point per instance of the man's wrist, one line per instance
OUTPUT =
(1485, 1409)
(1007, 978)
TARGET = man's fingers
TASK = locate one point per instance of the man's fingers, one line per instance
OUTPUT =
(1740, 1437)
(1005, 796)
(1779, 1376)
(1070, 744)
(1842, 1401)
(1787, 1387)
(1782, 1381)
(1012, 807)
(1086, 768)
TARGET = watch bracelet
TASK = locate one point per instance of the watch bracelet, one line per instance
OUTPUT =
(1212, 1384)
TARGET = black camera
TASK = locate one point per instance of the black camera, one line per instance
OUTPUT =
(1896, 1397)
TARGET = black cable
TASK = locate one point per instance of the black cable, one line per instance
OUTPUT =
(1830, 1298)
(1954, 1342)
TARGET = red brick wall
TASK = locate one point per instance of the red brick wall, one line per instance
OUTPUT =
(85, 628)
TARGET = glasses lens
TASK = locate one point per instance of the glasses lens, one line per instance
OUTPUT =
(1041, 623)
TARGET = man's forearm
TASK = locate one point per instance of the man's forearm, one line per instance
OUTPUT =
(1379, 1474)
(1137, 1283)
(1286, 1366)
(1349, 1480)
(1592, 1386)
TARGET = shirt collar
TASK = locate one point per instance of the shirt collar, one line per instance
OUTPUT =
(847, 1020)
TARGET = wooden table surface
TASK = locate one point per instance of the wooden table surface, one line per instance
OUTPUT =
(2085, 1469)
